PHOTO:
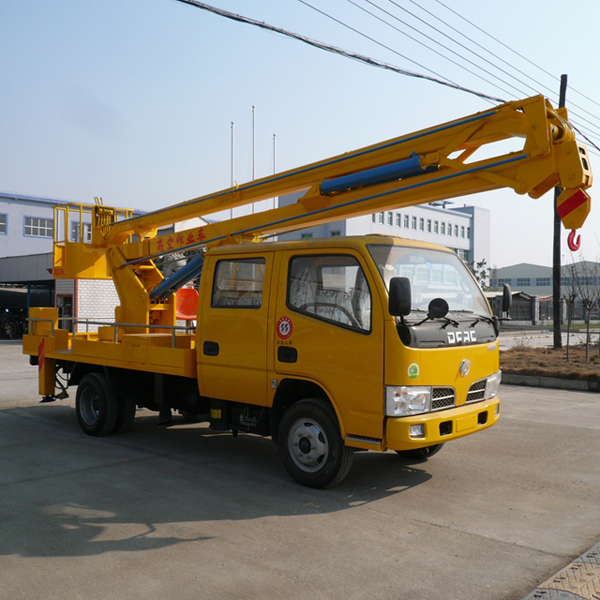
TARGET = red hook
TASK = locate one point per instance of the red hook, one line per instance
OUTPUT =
(572, 242)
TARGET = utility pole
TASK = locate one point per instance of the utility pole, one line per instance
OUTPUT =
(556, 267)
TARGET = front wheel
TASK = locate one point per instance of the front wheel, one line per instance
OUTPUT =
(310, 444)
(96, 406)
(420, 453)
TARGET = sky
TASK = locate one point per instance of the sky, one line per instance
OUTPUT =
(133, 100)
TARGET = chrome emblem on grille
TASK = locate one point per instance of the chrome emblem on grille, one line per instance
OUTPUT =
(465, 365)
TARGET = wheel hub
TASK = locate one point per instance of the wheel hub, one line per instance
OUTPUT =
(90, 406)
(308, 445)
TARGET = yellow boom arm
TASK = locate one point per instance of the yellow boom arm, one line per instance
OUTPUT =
(432, 164)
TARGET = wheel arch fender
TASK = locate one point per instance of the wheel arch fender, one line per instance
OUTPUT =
(289, 391)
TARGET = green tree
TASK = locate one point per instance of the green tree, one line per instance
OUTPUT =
(481, 273)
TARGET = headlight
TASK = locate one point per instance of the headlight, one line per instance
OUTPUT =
(401, 401)
(491, 385)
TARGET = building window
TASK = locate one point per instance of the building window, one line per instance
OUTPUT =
(38, 227)
(374, 217)
(456, 231)
(306, 236)
(421, 224)
(462, 254)
(414, 222)
(398, 220)
(462, 231)
(390, 218)
(3, 219)
(505, 280)
(406, 220)
(335, 233)
(429, 225)
(436, 227)
(542, 281)
(87, 232)
(523, 281)
(449, 228)
(381, 216)
(443, 228)
(468, 233)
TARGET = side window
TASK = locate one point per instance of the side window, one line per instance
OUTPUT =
(331, 288)
(238, 283)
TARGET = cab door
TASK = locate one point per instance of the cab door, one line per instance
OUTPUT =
(329, 329)
(232, 328)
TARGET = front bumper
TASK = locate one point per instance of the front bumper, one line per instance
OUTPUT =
(442, 426)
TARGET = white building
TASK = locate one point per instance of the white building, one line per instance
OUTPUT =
(465, 229)
(26, 245)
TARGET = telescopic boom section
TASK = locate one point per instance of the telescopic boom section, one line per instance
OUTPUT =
(429, 165)
(434, 161)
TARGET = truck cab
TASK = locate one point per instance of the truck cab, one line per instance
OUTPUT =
(297, 321)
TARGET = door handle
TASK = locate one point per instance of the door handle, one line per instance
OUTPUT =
(210, 348)
(287, 354)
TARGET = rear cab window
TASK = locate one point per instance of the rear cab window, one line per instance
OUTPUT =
(238, 283)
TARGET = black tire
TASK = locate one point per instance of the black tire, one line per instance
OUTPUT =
(125, 414)
(420, 453)
(96, 406)
(310, 444)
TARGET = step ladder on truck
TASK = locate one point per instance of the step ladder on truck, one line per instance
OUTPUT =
(328, 346)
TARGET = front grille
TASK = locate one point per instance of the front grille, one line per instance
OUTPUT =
(476, 391)
(442, 397)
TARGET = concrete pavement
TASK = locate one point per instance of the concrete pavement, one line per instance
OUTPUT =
(187, 513)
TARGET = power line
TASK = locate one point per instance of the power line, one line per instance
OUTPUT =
(371, 39)
(511, 49)
(477, 44)
(374, 62)
(333, 49)
(428, 47)
(552, 92)
(372, 3)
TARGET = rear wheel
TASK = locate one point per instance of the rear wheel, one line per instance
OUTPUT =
(420, 453)
(125, 414)
(96, 406)
(310, 444)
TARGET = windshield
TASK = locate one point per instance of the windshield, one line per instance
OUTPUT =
(432, 274)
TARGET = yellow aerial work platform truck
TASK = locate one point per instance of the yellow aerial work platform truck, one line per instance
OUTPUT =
(329, 346)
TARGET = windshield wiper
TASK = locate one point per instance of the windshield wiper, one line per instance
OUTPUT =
(478, 317)
(431, 317)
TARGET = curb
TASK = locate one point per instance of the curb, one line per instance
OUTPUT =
(579, 580)
(580, 385)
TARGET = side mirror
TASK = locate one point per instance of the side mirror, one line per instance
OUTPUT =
(400, 298)
(506, 298)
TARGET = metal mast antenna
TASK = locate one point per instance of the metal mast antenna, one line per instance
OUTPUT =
(274, 161)
(232, 161)
(253, 147)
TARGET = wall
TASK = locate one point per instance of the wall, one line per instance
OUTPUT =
(14, 242)
(96, 300)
